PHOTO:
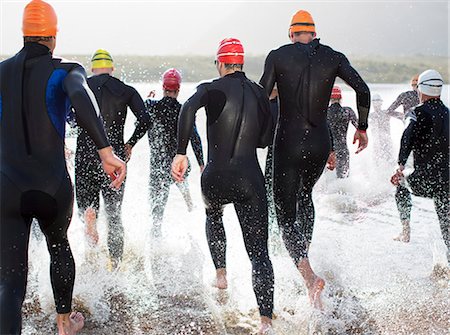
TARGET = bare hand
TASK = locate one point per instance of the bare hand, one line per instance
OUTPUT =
(151, 94)
(179, 167)
(114, 167)
(331, 162)
(397, 176)
(202, 168)
(128, 149)
(361, 137)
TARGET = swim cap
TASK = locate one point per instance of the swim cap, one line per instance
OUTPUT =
(336, 93)
(171, 80)
(302, 21)
(230, 51)
(39, 19)
(376, 97)
(430, 83)
(102, 59)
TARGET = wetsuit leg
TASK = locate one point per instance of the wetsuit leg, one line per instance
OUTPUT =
(268, 179)
(342, 162)
(297, 168)
(14, 236)
(87, 186)
(403, 200)
(441, 203)
(253, 219)
(159, 188)
(113, 207)
(286, 182)
(54, 224)
(215, 234)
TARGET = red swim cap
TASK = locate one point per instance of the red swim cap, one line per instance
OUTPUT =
(171, 80)
(336, 93)
(230, 51)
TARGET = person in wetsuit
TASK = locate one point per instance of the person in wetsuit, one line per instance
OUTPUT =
(427, 137)
(381, 130)
(162, 138)
(36, 90)
(338, 119)
(408, 100)
(304, 72)
(238, 122)
(113, 97)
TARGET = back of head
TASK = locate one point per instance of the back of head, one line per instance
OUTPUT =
(336, 93)
(171, 79)
(101, 59)
(430, 83)
(39, 19)
(302, 21)
(230, 51)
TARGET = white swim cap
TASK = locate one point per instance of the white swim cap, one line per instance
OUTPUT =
(430, 83)
(376, 97)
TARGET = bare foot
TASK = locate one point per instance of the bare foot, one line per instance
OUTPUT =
(405, 234)
(90, 218)
(402, 238)
(314, 283)
(266, 326)
(314, 292)
(69, 324)
(221, 279)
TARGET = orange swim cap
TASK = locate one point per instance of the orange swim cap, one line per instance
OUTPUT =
(302, 21)
(39, 19)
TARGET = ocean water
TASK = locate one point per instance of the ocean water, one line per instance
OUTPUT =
(374, 285)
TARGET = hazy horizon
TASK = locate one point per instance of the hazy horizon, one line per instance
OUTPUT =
(157, 28)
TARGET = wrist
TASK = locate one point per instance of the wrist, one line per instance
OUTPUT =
(105, 152)
(362, 131)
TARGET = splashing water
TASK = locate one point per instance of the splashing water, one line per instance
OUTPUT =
(163, 286)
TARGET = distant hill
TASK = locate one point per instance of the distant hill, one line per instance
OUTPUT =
(198, 68)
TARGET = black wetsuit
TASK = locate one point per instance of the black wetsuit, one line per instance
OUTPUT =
(268, 174)
(408, 100)
(427, 136)
(113, 97)
(36, 91)
(238, 121)
(338, 119)
(305, 75)
(162, 137)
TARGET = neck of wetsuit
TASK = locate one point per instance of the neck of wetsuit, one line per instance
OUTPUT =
(237, 74)
(35, 49)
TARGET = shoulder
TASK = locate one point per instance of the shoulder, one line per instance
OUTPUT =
(67, 65)
(150, 103)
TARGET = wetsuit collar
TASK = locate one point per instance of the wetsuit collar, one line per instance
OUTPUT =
(237, 74)
(34, 49)
(435, 100)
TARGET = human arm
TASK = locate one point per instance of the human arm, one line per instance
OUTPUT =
(142, 124)
(269, 76)
(196, 143)
(186, 122)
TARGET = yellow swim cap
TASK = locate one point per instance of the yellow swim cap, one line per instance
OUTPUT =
(102, 59)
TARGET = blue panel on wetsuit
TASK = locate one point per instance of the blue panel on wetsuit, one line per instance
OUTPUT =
(57, 102)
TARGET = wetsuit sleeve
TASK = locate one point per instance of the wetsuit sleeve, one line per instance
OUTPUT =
(407, 141)
(137, 106)
(267, 130)
(395, 104)
(196, 143)
(331, 136)
(86, 108)
(347, 73)
(352, 117)
(149, 105)
(268, 78)
(186, 119)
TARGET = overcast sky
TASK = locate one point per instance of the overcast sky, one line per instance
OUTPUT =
(390, 28)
